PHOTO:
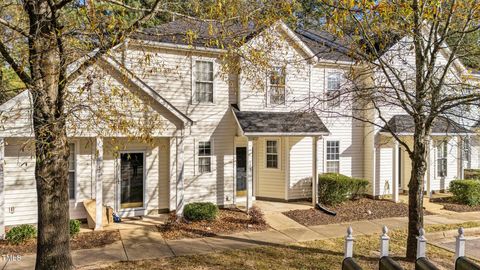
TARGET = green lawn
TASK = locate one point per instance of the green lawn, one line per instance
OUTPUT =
(325, 254)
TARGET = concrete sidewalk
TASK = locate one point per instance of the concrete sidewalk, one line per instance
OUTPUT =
(140, 244)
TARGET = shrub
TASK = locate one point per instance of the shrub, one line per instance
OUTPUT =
(74, 227)
(334, 188)
(466, 191)
(20, 234)
(472, 173)
(200, 211)
(256, 216)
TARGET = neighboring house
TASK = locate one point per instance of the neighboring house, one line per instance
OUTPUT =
(216, 137)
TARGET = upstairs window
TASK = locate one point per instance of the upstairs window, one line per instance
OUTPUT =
(333, 156)
(442, 159)
(204, 157)
(277, 86)
(334, 83)
(272, 154)
(71, 172)
(204, 82)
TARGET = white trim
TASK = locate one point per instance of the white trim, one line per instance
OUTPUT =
(278, 134)
(431, 134)
(135, 210)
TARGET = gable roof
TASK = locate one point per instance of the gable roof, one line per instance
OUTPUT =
(325, 45)
(146, 88)
(279, 123)
(117, 66)
(404, 125)
(191, 32)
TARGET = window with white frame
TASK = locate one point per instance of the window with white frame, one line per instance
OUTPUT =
(442, 159)
(272, 154)
(466, 153)
(333, 156)
(204, 156)
(203, 81)
(277, 86)
(334, 83)
(71, 172)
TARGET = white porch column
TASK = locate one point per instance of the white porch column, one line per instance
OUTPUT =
(2, 189)
(180, 198)
(249, 173)
(396, 169)
(314, 171)
(99, 184)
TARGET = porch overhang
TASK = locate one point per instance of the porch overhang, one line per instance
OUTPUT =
(258, 124)
(404, 125)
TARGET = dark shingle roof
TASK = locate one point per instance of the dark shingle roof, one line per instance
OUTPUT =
(199, 33)
(441, 125)
(280, 122)
(325, 45)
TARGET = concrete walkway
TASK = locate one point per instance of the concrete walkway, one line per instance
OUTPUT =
(143, 243)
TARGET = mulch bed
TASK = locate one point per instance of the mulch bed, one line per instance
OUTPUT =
(450, 204)
(362, 209)
(81, 241)
(228, 221)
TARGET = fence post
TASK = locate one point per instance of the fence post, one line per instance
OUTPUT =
(460, 244)
(421, 244)
(349, 243)
(384, 242)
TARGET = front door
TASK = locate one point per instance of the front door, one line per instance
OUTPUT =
(241, 153)
(132, 180)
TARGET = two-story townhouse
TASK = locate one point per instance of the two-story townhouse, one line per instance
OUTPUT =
(215, 137)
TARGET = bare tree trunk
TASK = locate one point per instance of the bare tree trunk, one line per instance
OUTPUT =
(51, 147)
(415, 193)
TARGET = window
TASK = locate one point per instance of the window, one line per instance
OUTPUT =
(272, 154)
(71, 172)
(204, 82)
(204, 157)
(333, 156)
(277, 86)
(467, 152)
(442, 159)
(334, 82)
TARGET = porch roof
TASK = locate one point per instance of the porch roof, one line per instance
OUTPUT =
(256, 123)
(404, 125)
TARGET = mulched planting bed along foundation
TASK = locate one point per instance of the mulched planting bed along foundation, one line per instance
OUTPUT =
(228, 221)
(451, 205)
(362, 209)
(84, 240)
